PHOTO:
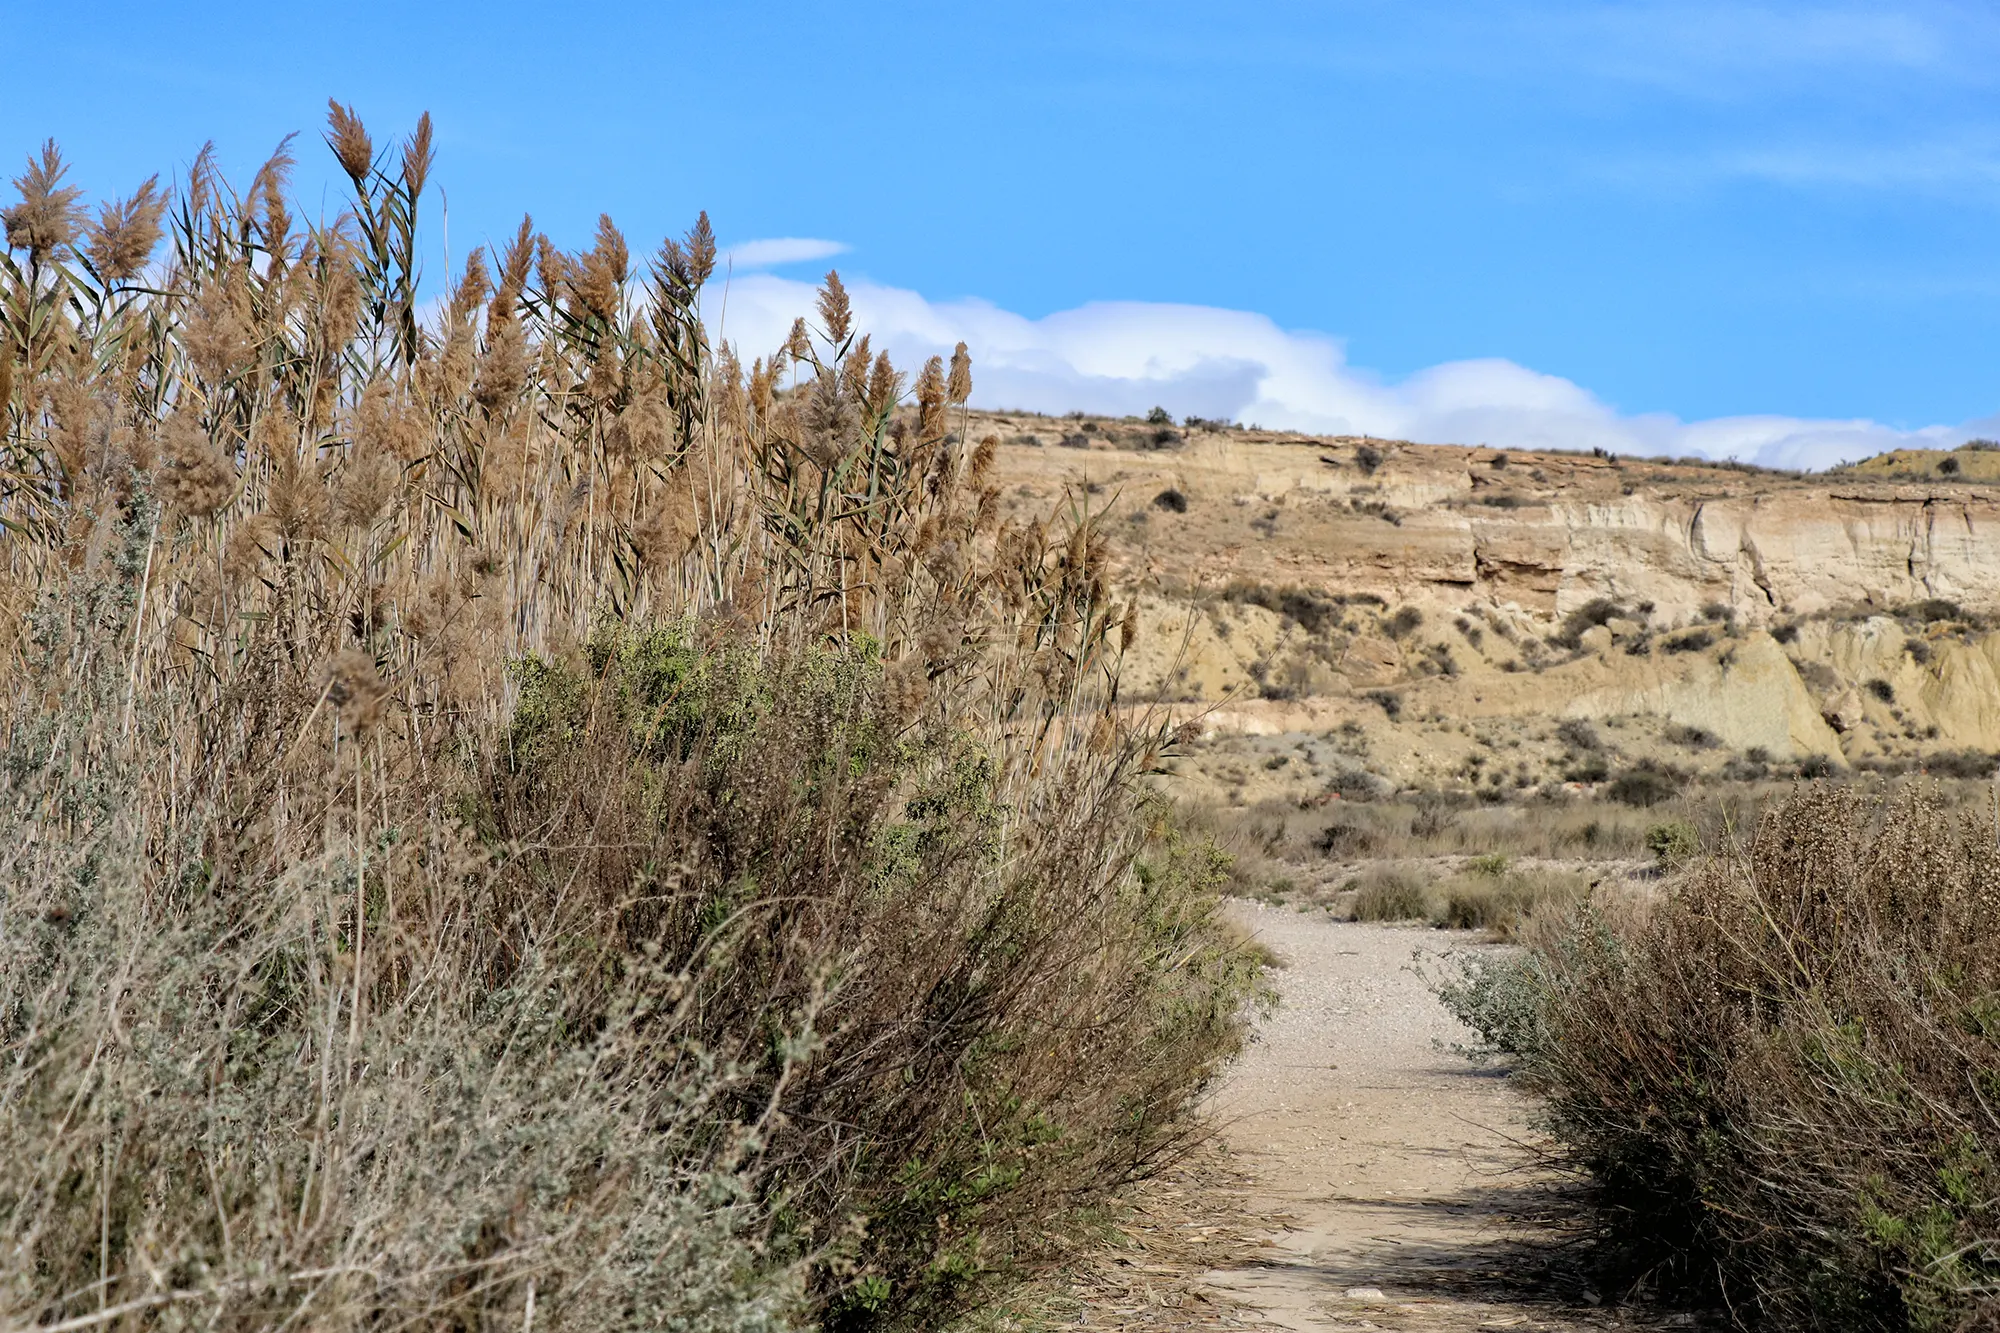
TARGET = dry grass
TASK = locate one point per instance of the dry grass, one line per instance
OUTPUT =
(524, 819)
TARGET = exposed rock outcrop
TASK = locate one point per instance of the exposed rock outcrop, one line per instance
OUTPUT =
(1309, 584)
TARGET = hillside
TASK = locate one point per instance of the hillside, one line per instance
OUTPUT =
(1428, 614)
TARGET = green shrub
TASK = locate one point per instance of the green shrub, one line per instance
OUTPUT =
(857, 866)
(1597, 611)
(1645, 784)
(1404, 622)
(354, 1077)
(515, 816)
(1673, 843)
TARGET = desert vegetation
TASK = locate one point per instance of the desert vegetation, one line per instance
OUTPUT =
(1782, 1074)
(515, 819)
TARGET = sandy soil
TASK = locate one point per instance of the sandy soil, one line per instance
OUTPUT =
(1400, 1181)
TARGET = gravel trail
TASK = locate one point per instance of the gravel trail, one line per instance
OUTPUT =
(1400, 1179)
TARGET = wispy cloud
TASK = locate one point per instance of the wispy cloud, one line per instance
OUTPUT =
(776, 250)
(1126, 357)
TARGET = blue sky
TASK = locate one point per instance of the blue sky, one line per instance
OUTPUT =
(1535, 222)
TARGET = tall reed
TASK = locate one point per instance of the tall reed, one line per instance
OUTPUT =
(523, 768)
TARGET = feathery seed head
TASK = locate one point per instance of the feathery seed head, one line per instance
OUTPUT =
(798, 345)
(983, 458)
(350, 142)
(834, 312)
(931, 401)
(959, 387)
(598, 281)
(355, 688)
(122, 239)
(701, 249)
(196, 479)
(885, 386)
(48, 217)
(472, 288)
(217, 332)
(514, 266)
(551, 267)
(854, 372)
(418, 156)
(760, 390)
(266, 200)
(986, 518)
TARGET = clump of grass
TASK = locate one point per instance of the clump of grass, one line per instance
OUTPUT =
(1391, 893)
(1499, 901)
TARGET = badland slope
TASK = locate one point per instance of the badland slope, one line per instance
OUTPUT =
(1430, 614)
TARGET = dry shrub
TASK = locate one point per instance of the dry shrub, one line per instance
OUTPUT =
(251, 1080)
(1390, 893)
(1785, 1077)
(1498, 900)
(967, 954)
(572, 829)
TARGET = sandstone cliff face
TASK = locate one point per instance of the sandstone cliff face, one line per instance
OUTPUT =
(1749, 699)
(1542, 532)
(1495, 552)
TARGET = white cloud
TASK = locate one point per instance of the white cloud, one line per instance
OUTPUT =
(1125, 357)
(776, 250)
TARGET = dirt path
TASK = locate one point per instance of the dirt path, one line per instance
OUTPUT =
(1398, 1174)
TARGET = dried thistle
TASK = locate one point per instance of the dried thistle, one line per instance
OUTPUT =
(47, 219)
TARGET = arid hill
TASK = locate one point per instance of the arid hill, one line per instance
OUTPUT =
(1429, 614)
